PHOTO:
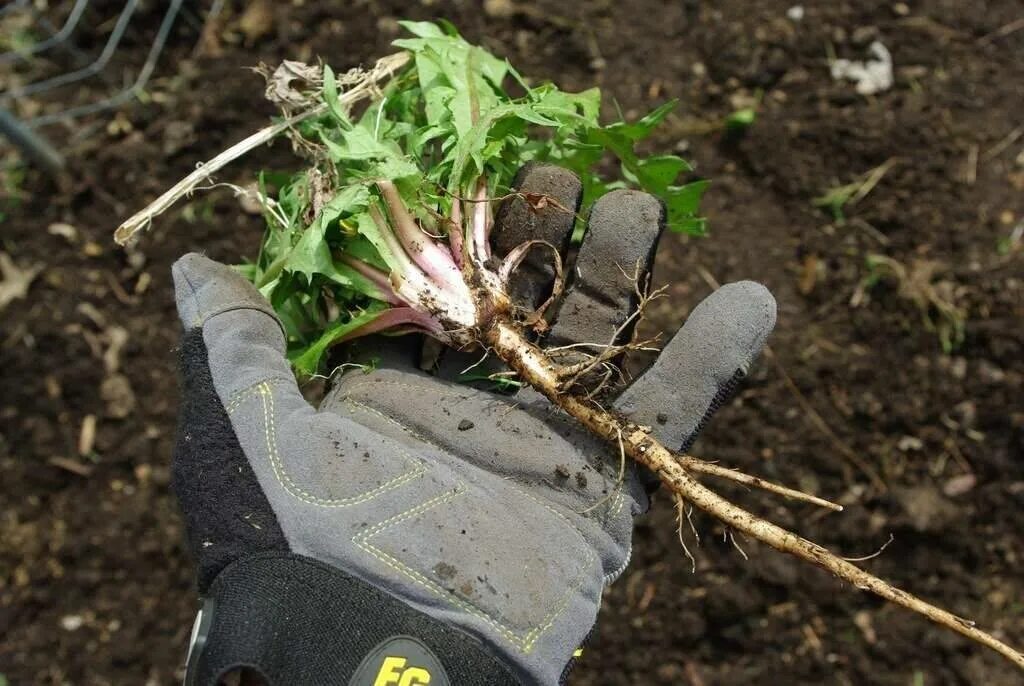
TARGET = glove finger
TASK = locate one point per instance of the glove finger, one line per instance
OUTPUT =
(244, 339)
(225, 509)
(622, 234)
(300, 456)
(518, 221)
(701, 367)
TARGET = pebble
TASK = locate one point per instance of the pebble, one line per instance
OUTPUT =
(990, 373)
(499, 9)
(908, 443)
(958, 485)
(926, 509)
(966, 413)
(117, 393)
(71, 622)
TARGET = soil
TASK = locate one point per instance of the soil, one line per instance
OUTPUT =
(95, 584)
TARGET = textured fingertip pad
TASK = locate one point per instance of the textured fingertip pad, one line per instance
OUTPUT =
(517, 221)
(622, 235)
(204, 288)
(702, 365)
(226, 513)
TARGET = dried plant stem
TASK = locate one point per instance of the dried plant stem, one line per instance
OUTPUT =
(383, 69)
(536, 368)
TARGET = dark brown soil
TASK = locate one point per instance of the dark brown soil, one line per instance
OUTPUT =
(95, 586)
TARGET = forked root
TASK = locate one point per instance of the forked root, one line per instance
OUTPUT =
(695, 464)
(537, 369)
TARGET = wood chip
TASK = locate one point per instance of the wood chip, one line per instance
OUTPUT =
(87, 435)
(73, 466)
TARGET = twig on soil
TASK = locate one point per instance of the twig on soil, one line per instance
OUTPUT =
(1006, 142)
(384, 68)
(1002, 31)
(73, 466)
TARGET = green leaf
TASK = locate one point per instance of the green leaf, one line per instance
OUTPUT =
(312, 255)
(741, 119)
(394, 168)
(438, 125)
(681, 204)
(423, 29)
(639, 130)
(331, 98)
(306, 360)
(656, 174)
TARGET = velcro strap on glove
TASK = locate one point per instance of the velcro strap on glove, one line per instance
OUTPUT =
(299, 622)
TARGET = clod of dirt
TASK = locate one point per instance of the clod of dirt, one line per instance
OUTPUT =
(562, 471)
(965, 413)
(926, 510)
(499, 9)
(581, 479)
(465, 425)
(257, 21)
(959, 485)
(64, 230)
(14, 280)
(444, 570)
(117, 393)
(178, 135)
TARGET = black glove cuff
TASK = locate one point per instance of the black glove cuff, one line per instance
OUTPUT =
(300, 622)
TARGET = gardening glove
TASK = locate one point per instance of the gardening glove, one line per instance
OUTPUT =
(414, 530)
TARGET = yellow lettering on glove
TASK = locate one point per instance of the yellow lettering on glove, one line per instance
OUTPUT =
(393, 672)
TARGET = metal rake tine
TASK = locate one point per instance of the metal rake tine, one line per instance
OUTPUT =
(91, 70)
(57, 38)
(131, 91)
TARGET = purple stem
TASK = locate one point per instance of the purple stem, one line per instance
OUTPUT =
(377, 277)
(396, 316)
(431, 257)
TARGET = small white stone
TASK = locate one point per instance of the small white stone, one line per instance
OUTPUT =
(71, 622)
(871, 76)
(795, 13)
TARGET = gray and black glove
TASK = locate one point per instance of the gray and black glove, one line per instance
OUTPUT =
(413, 530)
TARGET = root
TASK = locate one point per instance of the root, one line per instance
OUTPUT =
(618, 481)
(695, 464)
(680, 507)
(571, 375)
(538, 370)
